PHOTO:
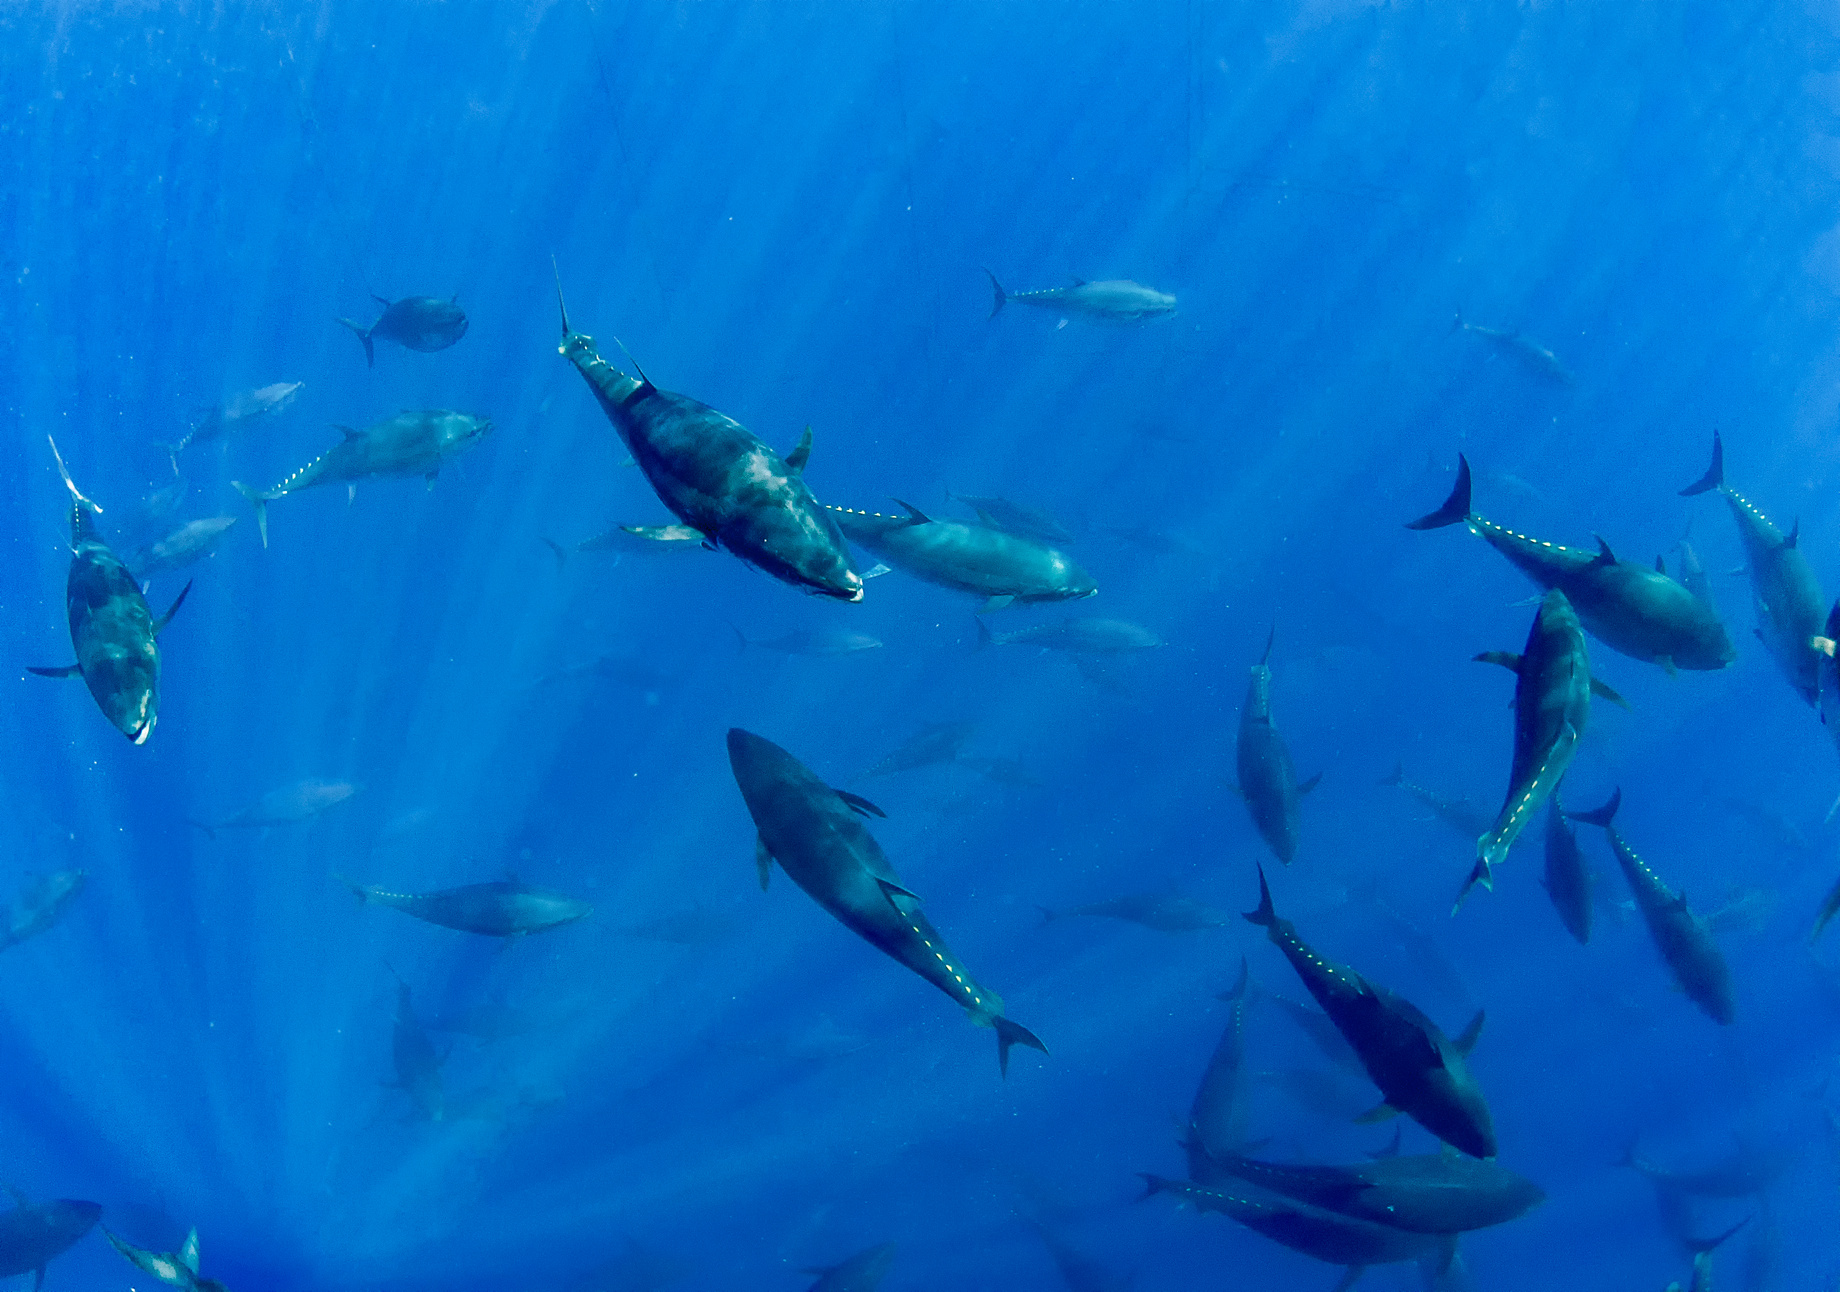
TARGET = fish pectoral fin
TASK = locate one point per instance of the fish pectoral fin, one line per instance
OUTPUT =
(1467, 1041)
(64, 670)
(1603, 692)
(159, 625)
(892, 890)
(1795, 534)
(1667, 664)
(1380, 1112)
(763, 861)
(1352, 1277)
(859, 804)
(432, 476)
(996, 603)
(876, 571)
(801, 454)
(1310, 784)
(1506, 658)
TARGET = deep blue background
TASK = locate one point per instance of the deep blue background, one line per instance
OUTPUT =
(782, 209)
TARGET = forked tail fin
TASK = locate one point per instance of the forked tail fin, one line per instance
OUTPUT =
(1266, 916)
(1009, 1034)
(70, 484)
(259, 501)
(1715, 474)
(561, 304)
(1002, 297)
(1602, 816)
(364, 335)
(1456, 507)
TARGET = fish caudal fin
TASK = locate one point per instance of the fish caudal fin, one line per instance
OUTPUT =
(259, 501)
(1009, 1034)
(364, 335)
(1456, 507)
(1602, 816)
(358, 890)
(70, 484)
(556, 549)
(1266, 916)
(1155, 1184)
(1398, 776)
(1715, 474)
(984, 638)
(1481, 874)
(1002, 297)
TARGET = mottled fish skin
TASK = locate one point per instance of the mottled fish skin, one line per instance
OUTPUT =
(1783, 588)
(424, 323)
(818, 838)
(862, 1272)
(33, 1233)
(1420, 1071)
(1427, 1194)
(1568, 878)
(1267, 778)
(1117, 300)
(1336, 1239)
(40, 905)
(1552, 703)
(996, 564)
(505, 909)
(1683, 938)
(1634, 609)
(721, 480)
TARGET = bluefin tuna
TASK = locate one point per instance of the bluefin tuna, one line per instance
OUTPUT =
(192, 541)
(175, 1269)
(1633, 609)
(817, 643)
(999, 512)
(1116, 300)
(1783, 588)
(1460, 814)
(504, 909)
(1524, 350)
(1568, 877)
(816, 834)
(409, 444)
(423, 323)
(1420, 1071)
(32, 1234)
(236, 414)
(115, 635)
(1683, 938)
(289, 805)
(40, 904)
(1077, 636)
(416, 1062)
(1267, 780)
(1003, 568)
(934, 744)
(1218, 1114)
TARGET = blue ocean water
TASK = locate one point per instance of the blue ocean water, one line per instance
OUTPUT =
(787, 211)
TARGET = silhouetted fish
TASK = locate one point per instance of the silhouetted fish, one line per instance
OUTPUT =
(1165, 912)
(819, 643)
(1217, 1115)
(1001, 567)
(33, 1234)
(1000, 513)
(1530, 354)
(862, 1272)
(642, 540)
(934, 744)
(423, 323)
(1743, 1173)
(1267, 780)
(1115, 299)
(1465, 817)
(235, 414)
(1631, 608)
(1568, 878)
(409, 444)
(190, 542)
(41, 904)
(1430, 1194)
(113, 631)
(816, 834)
(505, 909)
(1080, 1272)
(289, 805)
(1077, 637)
(416, 1062)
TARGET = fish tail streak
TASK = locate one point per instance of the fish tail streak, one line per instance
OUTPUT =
(561, 305)
(358, 890)
(1266, 917)
(1481, 875)
(364, 335)
(1456, 507)
(1715, 474)
(259, 501)
(1009, 1034)
(64, 471)
(1602, 816)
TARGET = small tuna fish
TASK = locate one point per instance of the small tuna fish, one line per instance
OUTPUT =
(1267, 780)
(417, 1062)
(1568, 878)
(817, 836)
(934, 744)
(190, 542)
(1683, 938)
(1218, 1114)
(1077, 637)
(32, 1234)
(1163, 912)
(1461, 815)
(862, 1272)
(1632, 609)
(421, 323)
(1000, 513)
(1003, 568)
(506, 909)
(821, 643)
(115, 635)
(175, 1269)
(409, 444)
(634, 540)
(1783, 588)
(1420, 1071)
(719, 478)
(236, 414)
(1530, 354)
(1117, 300)
(289, 805)
(41, 904)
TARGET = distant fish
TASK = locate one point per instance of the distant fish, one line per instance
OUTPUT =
(175, 1269)
(1321, 1030)
(35, 1233)
(862, 1272)
(1783, 588)
(1744, 1173)
(1163, 912)
(289, 805)
(409, 444)
(1683, 938)
(1568, 878)
(422, 323)
(1000, 513)
(817, 836)
(636, 540)
(1116, 300)
(1631, 608)
(1080, 1272)
(1827, 682)
(1530, 354)
(818, 642)
(934, 744)
(236, 414)
(1077, 637)
(115, 635)
(163, 502)
(506, 909)
(1467, 818)
(40, 904)
(190, 542)
(1420, 1071)
(490, 1021)
(1003, 568)
(1267, 778)
(417, 1063)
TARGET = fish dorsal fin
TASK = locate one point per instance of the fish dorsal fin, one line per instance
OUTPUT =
(347, 432)
(1467, 1041)
(380, 300)
(914, 513)
(1078, 281)
(1795, 533)
(1304, 787)
(188, 1254)
(1604, 555)
(796, 460)
(859, 804)
(1660, 565)
(892, 890)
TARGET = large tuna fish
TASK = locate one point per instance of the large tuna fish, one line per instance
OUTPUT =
(34, 1232)
(423, 323)
(505, 909)
(1116, 300)
(1002, 567)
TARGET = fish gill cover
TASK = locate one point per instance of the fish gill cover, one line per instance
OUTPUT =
(1261, 272)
